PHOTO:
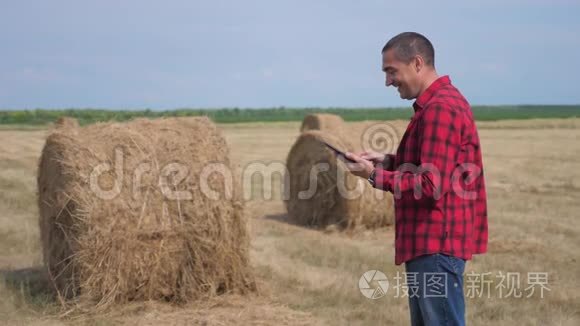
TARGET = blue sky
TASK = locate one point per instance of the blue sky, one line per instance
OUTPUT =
(170, 54)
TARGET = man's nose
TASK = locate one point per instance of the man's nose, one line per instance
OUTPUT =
(389, 81)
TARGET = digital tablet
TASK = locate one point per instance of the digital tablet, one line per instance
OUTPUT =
(338, 152)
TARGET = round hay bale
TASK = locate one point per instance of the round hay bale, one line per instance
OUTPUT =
(322, 121)
(323, 192)
(124, 214)
(66, 122)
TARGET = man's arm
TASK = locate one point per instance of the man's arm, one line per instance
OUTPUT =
(439, 142)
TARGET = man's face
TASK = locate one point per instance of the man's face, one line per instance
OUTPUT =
(402, 75)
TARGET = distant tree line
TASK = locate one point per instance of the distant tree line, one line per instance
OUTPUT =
(231, 115)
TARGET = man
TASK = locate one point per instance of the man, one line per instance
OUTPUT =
(436, 177)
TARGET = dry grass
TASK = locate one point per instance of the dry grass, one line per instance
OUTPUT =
(330, 123)
(138, 244)
(311, 277)
(328, 206)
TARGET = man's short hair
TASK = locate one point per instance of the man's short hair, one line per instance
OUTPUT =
(409, 44)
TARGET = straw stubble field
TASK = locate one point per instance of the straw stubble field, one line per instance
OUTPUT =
(309, 277)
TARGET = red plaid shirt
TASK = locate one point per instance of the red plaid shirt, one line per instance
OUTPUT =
(437, 179)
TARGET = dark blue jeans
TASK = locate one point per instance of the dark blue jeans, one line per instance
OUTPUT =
(435, 286)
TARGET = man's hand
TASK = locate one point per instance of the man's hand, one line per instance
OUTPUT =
(362, 168)
(381, 161)
(374, 157)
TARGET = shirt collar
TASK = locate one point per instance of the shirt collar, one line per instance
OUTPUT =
(422, 99)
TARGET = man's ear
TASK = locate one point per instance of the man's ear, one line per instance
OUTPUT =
(418, 63)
